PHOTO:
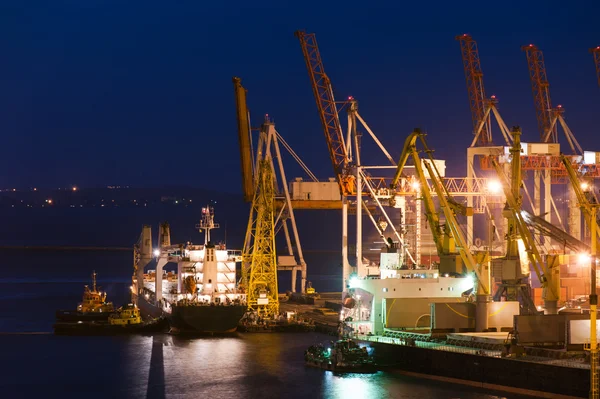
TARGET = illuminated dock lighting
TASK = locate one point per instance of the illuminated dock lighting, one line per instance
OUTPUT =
(494, 187)
(584, 259)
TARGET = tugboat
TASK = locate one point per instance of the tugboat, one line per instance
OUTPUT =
(125, 316)
(126, 320)
(345, 356)
(93, 306)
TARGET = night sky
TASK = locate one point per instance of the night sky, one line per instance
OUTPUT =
(139, 93)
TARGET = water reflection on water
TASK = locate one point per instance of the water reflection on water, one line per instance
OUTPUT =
(257, 366)
(169, 367)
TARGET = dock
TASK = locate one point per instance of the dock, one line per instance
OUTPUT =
(324, 312)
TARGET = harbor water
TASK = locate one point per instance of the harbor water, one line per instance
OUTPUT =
(37, 364)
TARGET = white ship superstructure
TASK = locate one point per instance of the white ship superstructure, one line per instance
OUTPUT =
(403, 299)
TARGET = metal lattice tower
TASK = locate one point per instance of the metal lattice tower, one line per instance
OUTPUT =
(262, 292)
(596, 52)
(326, 105)
(541, 93)
(474, 77)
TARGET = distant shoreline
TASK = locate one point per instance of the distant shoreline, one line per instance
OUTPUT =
(108, 249)
(62, 248)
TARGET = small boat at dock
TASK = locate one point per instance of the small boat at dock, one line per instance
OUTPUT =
(126, 320)
(344, 356)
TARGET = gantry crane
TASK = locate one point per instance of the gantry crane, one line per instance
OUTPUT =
(589, 205)
(596, 53)
(514, 277)
(482, 109)
(328, 112)
(455, 256)
(268, 143)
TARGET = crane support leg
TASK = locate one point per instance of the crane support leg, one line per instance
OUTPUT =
(483, 297)
(345, 263)
(359, 266)
(594, 388)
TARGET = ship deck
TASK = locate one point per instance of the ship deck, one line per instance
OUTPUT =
(167, 287)
(485, 341)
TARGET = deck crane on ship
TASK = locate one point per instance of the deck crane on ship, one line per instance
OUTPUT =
(455, 256)
(514, 274)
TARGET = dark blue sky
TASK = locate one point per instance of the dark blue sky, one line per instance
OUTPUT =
(140, 93)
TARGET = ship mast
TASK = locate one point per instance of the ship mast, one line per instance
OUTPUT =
(207, 222)
(93, 281)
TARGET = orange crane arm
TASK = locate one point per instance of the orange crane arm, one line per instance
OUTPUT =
(244, 139)
(474, 77)
(541, 92)
(596, 52)
(328, 112)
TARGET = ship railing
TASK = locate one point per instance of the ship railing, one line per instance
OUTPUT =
(234, 255)
(429, 345)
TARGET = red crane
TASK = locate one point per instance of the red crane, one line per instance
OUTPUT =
(541, 93)
(474, 77)
(596, 52)
(328, 111)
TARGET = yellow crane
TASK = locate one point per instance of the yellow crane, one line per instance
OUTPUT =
(262, 291)
(589, 205)
(513, 275)
(452, 248)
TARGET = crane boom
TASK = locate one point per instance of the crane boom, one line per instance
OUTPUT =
(596, 53)
(475, 88)
(512, 191)
(244, 139)
(585, 198)
(541, 93)
(328, 111)
(452, 245)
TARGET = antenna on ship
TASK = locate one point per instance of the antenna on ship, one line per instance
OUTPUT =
(207, 222)
(94, 280)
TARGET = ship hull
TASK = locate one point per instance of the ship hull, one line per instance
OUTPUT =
(525, 378)
(354, 369)
(74, 315)
(148, 310)
(206, 319)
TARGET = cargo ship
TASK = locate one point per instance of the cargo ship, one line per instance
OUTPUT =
(421, 323)
(201, 295)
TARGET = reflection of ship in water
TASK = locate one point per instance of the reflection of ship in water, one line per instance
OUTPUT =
(202, 296)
